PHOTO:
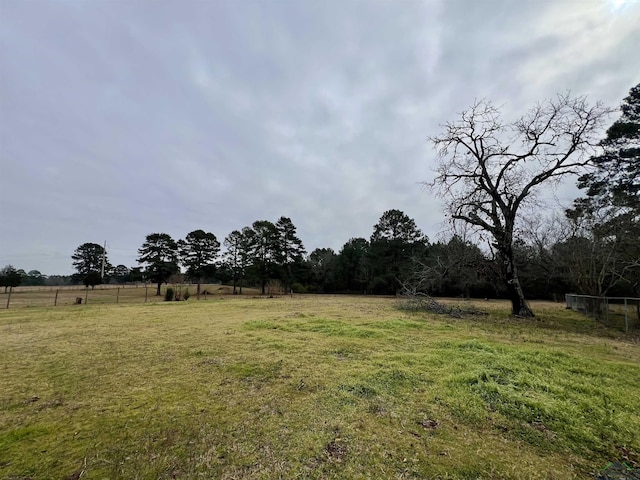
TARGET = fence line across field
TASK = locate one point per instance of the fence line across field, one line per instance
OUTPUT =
(53, 288)
(618, 312)
(66, 295)
(53, 296)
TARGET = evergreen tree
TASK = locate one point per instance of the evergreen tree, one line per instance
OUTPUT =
(159, 256)
(353, 268)
(238, 257)
(88, 257)
(615, 182)
(323, 264)
(121, 274)
(394, 245)
(265, 250)
(10, 277)
(609, 215)
(290, 249)
(198, 253)
(233, 245)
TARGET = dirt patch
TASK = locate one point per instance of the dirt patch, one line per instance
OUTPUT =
(429, 424)
(336, 450)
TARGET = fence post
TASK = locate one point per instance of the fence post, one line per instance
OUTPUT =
(146, 292)
(55, 300)
(626, 317)
(86, 295)
(9, 297)
(118, 295)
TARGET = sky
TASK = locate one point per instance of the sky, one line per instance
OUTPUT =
(123, 118)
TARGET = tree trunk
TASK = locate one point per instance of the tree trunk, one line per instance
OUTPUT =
(158, 290)
(519, 305)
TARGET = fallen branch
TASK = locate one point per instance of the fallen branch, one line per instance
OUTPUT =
(421, 302)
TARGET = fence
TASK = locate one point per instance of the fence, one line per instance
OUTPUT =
(618, 312)
(103, 294)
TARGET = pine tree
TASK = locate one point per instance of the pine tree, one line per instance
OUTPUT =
(198, 253)
(609, 214)
(160, 257)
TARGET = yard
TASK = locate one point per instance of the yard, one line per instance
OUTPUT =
(312, 387)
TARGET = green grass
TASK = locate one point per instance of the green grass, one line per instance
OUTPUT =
(312, 387)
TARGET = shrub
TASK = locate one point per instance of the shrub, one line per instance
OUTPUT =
(298, 288)
(168, 295)
(186, 295)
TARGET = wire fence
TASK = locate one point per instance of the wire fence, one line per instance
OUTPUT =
(43, 296)
(622, 313)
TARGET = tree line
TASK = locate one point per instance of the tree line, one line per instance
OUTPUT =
(489, 172)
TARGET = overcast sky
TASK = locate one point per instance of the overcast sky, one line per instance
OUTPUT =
(123, 118)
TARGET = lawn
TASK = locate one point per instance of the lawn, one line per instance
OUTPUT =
(312, 387)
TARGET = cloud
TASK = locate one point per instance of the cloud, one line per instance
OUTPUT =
(118, 120)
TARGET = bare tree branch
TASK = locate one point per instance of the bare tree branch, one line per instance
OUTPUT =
(487, 168)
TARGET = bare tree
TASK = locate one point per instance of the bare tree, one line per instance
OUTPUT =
(451, 264)
(601, 253)
(489, 168)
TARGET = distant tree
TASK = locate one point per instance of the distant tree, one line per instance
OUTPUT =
(136, 274)
(248, 242)
(289, 249)
(452, 267)
(177, 278)
(542, 272)
(198, 253)
(488, 169)
(265, 250)
(35, 278)
(395, 243)
(159, 256)
(10, 277)
(323, 263)
(396, 226)
(23, 276)
(353, 268)
(239, 245)
(59, 280)
(232, 256)
(121, 274)
(92, 279)
(601, 260)
(87, 258)
(224, 272)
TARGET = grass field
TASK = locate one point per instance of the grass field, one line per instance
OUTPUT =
(312, 387)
